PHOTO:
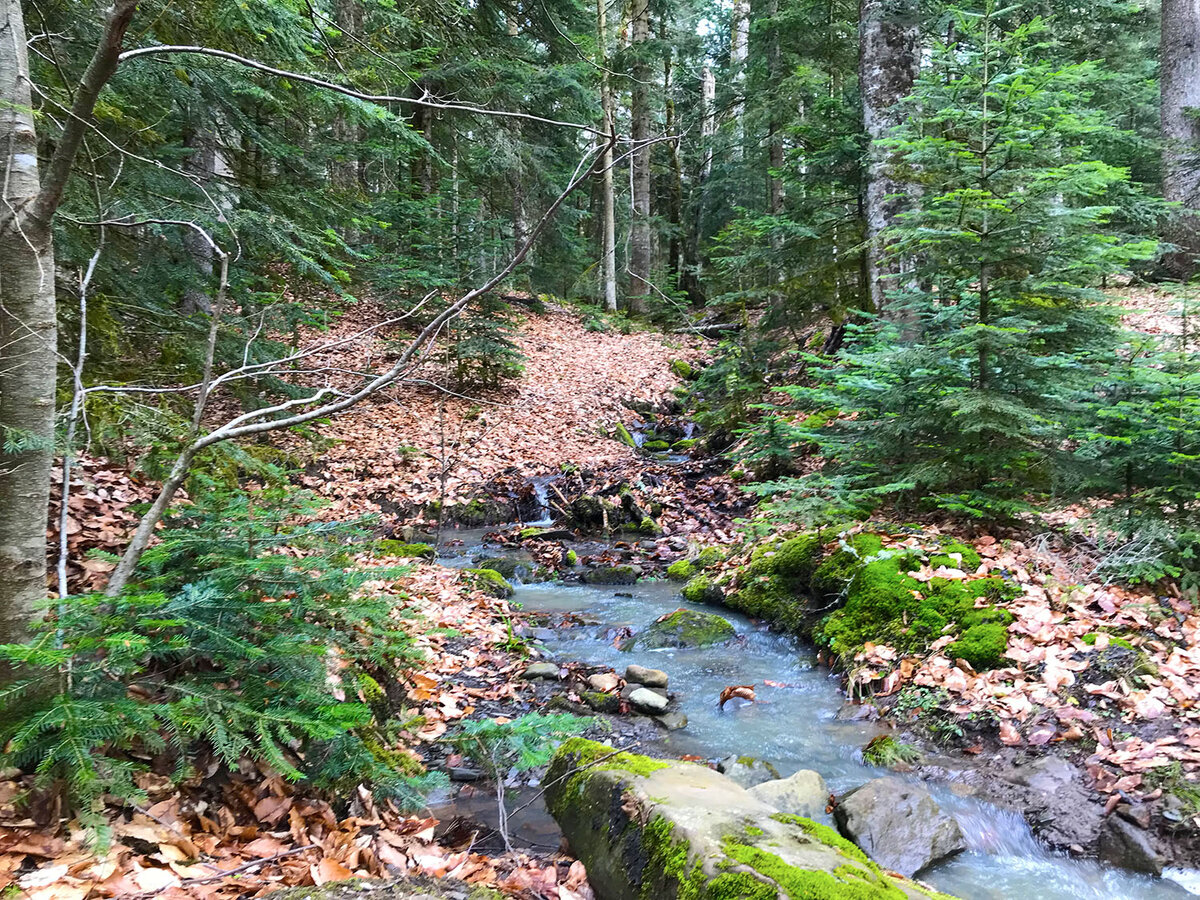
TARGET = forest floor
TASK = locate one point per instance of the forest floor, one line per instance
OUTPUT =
(251, 833)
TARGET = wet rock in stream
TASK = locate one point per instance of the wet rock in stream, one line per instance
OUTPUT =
(653, 678)
(898, 824)
(747, 771)
(683, 628)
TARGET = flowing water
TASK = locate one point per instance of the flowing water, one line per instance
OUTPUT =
(793, 726)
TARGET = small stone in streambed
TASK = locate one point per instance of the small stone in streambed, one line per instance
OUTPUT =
(463, 775)
(601, 702)
(655, 678)
(857, 712)
(647, 701)
(605, 682)
(746, 770)
(546, 534)
(803, 794)
(1124, 844)
(611, 575)
(672, 721)
(545, 670)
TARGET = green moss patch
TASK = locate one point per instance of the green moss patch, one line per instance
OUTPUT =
(982, 646)
(405, 550)
(681, 570)
(490, 582)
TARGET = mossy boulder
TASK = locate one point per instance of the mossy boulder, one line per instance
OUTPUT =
(490, 582)
(621, 433)
(505, 566)
(656, 446)
(683, 628)
(681, 570)
(647, 829)
(775, 583)
(405, 550)
(703, 589)
(611, 575)
(684, 445)
(682, 369)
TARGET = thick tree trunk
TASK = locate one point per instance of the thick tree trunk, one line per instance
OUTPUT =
(28, 343)
(889, 61)
(608, 225)
(28, 333)
(1180, 78)
(639, 239)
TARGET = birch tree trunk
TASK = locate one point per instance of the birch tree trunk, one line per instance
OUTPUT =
(639, 239)
(28, 343)
(28, 332)
(1180, 80)
(888, 64)
(608, 225)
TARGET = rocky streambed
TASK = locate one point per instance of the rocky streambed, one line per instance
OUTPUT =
(798, 722)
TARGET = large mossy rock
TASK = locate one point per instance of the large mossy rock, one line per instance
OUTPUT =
(649, 829)
(408, 888)
(899, 824)
(683, 628)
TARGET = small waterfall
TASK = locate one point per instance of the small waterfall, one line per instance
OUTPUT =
(541, 490)
(995, 831)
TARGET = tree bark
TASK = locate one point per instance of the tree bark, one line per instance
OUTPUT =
(889, 61)
(1180, 80)
(608, 226)
(639, 240)
(739, 50)
(347, 170)
(28, 332)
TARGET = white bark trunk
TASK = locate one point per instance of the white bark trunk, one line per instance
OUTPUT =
(28, 343)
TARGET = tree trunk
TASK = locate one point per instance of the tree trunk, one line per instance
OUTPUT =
(739, 49)
(675, 186)
(28, 332)
(608, 226)
(639, 240)
(1180, 78)
(202, 163)
(774, 148)
(28, 344)
(346, 172)
(889, 61)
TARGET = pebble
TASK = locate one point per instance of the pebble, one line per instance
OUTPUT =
(672, 721)
(655, 678)
(604, 682)
(647, 701)
(540, 670)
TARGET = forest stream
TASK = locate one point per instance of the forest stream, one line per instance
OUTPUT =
(793, 726)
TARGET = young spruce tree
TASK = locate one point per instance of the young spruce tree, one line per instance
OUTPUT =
(963, 403)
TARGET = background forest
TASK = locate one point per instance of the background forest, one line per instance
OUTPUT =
(914, 232)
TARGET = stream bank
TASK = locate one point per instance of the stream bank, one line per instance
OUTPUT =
(798, 722)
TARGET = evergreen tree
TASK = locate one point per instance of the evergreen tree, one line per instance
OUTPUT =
(1011, 240)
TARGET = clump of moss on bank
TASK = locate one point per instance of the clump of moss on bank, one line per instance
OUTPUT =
(858, 592)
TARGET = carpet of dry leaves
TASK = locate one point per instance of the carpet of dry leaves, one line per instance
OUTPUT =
(1045, 696)
(245, 834)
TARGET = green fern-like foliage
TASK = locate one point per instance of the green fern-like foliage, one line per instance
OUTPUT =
(246, 636)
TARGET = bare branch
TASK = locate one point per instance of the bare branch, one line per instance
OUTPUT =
(424, 101)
